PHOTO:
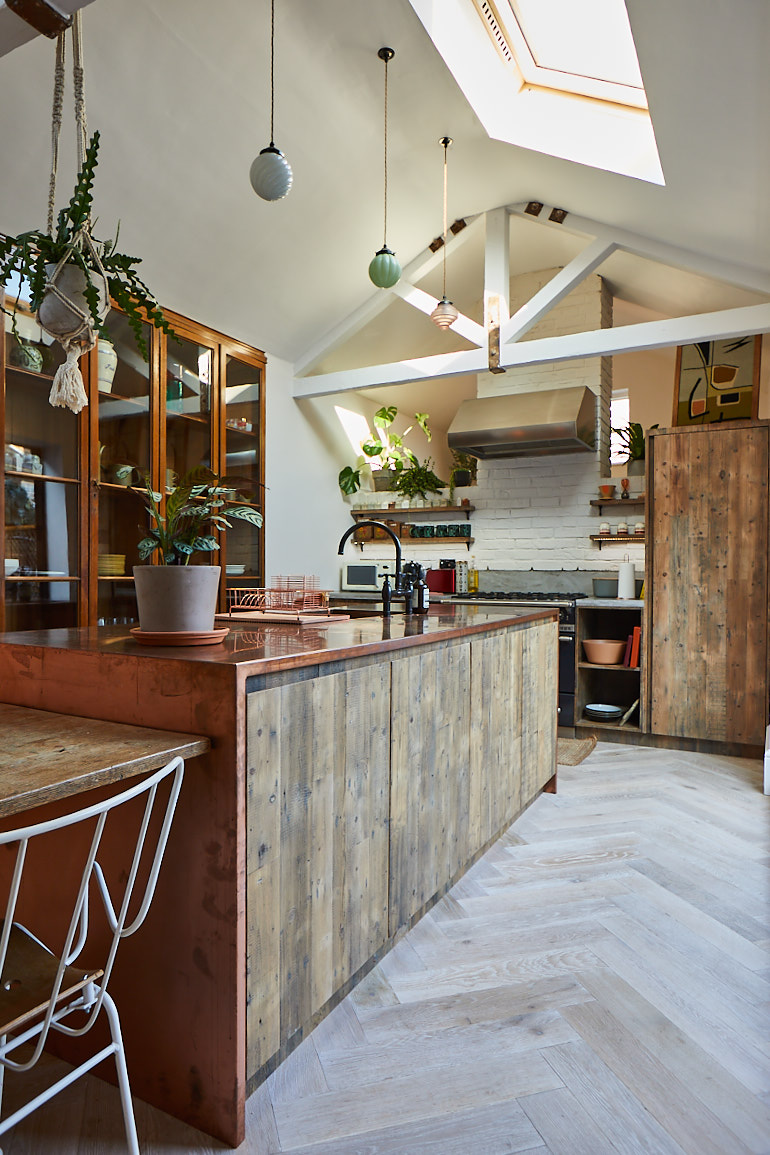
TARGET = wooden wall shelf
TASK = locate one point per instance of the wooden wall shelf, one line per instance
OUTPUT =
(379, 514)
(616, 538)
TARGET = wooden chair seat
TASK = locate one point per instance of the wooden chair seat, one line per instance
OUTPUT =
(28, 979)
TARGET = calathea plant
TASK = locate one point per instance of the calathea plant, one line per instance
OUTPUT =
(198, 504)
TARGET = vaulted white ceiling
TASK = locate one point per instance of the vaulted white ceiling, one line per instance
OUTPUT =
(180, 93)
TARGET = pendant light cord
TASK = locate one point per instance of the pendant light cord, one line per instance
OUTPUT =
(445, 142)
(385, 221)
(272, 71)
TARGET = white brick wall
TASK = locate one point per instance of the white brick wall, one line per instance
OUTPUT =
(534, 512)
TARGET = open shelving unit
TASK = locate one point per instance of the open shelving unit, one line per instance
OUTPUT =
(613, 685)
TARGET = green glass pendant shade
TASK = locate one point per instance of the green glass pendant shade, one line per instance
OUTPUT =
(384, 269)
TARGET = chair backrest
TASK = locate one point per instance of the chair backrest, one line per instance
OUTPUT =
(57, 978)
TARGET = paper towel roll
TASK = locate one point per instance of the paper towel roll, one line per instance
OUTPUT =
(626, 580)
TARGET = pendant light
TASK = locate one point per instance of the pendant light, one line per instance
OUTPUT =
(445, 314)
(384, 269)
(270, 175)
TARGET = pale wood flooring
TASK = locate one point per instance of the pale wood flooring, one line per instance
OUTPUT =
(598, 982)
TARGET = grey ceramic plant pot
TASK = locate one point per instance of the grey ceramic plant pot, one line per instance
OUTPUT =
(177, 598)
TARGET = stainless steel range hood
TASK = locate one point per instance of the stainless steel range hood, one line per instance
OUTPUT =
(526, 424)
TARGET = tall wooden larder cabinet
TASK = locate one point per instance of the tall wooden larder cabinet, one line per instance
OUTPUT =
(70, 521)
(707, 569)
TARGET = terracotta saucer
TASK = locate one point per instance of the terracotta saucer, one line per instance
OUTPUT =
(179, 637)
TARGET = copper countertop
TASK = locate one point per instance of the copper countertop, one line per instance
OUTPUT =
(285, 646)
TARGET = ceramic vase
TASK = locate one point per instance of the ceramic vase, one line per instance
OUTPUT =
(108, 363)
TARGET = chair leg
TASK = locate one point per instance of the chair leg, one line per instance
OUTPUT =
(123, 1084)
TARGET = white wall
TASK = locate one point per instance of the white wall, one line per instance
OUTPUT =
(304, 512)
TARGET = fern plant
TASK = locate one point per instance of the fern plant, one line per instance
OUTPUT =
(199, 503)
(28, 254)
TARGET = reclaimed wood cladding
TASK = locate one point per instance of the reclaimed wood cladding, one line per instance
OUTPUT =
(709, 544)
(370, 790)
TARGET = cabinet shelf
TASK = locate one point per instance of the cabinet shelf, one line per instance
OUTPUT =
(25, 476)
(607, 666)
(623, 502)
(30, 374)
(615, 538)
(427, 509)
(420, 541)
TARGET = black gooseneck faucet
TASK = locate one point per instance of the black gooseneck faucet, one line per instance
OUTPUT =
(398, 588)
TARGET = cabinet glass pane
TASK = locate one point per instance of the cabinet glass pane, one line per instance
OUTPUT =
(39, 439)
(242, 464)
(41, 527)
(242, 448)
(189, 373)
(40, 605)
(124, 406)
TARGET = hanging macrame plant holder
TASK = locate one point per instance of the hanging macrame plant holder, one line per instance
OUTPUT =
(64, 313)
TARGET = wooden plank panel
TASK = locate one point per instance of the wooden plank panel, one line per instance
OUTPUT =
(430, 761)
(319, 754)
(263, 844)
(709, 578)
(539, 655)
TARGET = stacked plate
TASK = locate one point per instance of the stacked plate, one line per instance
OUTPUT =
(599, 712)
(111, 564)
(235, 570)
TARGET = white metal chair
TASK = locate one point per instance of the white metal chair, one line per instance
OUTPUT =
(42, 989)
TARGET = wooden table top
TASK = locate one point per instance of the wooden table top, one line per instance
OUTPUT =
(46, 756)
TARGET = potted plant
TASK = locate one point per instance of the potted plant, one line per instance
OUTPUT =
(173, 595)
(464, 467)
(417, 481)
(633, 442)
(72, 277)
(387, 452)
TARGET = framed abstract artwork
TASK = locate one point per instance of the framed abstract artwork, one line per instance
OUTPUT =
(717, 381)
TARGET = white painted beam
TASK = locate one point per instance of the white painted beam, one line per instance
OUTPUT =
(556, 290)
(423, 264)
(742, 276)
(396, 373)
(673, 331)
(497, 247)
(423, 301)
(598, 343)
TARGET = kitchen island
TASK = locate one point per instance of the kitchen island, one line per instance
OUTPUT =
(357, 768)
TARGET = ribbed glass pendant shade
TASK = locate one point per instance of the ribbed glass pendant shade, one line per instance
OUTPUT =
(384, 269)
(270, 174)
(445, 314)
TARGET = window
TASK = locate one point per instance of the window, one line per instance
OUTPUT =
(620, 416)
(556, 76)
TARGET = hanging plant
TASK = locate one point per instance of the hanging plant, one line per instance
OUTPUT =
(71, 275)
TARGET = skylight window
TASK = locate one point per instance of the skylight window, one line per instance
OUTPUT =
(556, 76)
(575, 42)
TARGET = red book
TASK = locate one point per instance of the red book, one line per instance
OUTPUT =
(635, 646)
(627, 655)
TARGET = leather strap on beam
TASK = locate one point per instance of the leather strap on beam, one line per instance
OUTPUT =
(41, 16)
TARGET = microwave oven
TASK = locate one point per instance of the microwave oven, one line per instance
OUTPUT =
(366, 575)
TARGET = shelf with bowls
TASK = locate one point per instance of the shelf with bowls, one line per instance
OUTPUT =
(608, 692)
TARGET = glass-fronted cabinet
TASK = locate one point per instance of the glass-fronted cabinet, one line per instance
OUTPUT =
(243, 464)
(69, 516)
(43, 469)
(127, 422)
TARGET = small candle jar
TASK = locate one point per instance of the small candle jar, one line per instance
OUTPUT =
(622, 528)
(604, 529)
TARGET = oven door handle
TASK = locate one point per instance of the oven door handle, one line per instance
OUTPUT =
(566, 637)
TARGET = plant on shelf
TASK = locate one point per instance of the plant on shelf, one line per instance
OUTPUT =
(633, 443)
(386, 452)
(197, 504)
(417, 481)
(71, 277)
(464, 467)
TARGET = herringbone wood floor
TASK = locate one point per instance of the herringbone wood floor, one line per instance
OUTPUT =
(599, 982)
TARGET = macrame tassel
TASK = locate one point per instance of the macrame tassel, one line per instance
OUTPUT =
(68, 390)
